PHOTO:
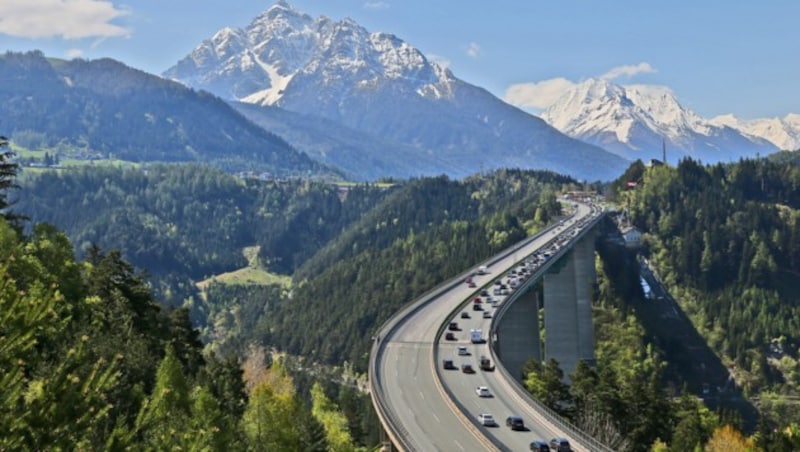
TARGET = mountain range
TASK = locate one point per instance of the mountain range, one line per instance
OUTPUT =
(294, 95)
(409, 115)
(103, 108)
(639, 121)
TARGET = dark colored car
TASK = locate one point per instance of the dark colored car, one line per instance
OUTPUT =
(540, 446)
(465, 315)
(515, 423)
(467, 368)
(560, 445)
(453, 326)
(450, 337)
(447, 363)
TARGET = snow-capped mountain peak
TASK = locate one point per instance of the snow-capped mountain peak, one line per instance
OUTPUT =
(258, 63)
(633, 121)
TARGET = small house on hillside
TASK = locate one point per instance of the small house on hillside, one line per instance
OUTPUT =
(632, 236)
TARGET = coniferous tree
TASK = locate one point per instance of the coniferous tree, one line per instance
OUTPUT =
(8, 174)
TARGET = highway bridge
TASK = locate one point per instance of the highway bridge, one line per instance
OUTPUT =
(424, 407)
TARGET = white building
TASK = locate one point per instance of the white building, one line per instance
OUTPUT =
(632, 236)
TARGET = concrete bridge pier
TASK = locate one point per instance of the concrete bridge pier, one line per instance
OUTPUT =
(569, 334)
(518, 334)
(561, 314)
(585, 277)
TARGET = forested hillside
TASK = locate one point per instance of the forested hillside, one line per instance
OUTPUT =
(104, 109)
(184, 223)
(356, 253)
(726, 241)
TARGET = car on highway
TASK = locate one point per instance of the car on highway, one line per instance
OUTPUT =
(462, 350)
(483, 391)
(465, 315)
(487, 420)
(447, 363)
(450, 337)
(477, 307)
(467, 368)
(515, 423)
(487, 315)
(560, 445)
(453, 326)
(540, 446)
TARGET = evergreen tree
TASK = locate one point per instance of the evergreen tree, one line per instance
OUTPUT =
(163, 420)
(8, 174)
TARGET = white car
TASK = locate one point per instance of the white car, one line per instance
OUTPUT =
(483, 391)
(486, 419)
(462, 350)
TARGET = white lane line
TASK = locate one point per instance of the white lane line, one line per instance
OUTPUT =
(422, 395)
(459, 445)
(436, 417)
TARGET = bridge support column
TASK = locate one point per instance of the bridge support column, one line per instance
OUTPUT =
(584, 283)
(518, 334)
(561, 315)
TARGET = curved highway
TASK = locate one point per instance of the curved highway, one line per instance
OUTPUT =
(424, 407)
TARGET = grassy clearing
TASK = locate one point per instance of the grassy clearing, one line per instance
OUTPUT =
(254, 273)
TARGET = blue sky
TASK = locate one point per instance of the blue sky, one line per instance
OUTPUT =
(718, 57)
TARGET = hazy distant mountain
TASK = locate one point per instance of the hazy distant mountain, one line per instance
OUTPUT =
(105, 108)
(386, 90)
(782, 132)
(632, 121)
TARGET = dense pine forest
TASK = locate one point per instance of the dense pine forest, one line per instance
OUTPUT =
(726, 240)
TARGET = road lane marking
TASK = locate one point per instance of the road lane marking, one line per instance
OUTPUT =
(459, 445)
(436, 417)
(422, 395)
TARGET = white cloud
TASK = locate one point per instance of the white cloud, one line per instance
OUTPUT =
(629, 70)
(74, 53)
(376, 4)
(538, 95)
(473, 50)
(69, 19)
